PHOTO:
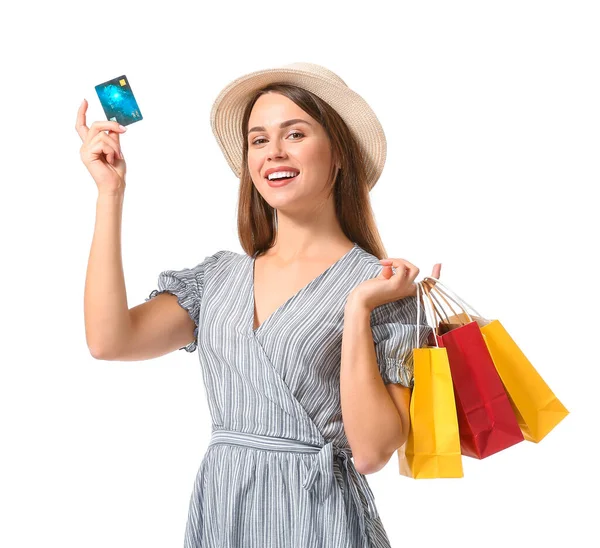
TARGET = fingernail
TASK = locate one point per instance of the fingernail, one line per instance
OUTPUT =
(122, 127)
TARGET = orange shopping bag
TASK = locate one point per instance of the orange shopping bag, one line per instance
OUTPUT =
(535, 405)
(432, 449)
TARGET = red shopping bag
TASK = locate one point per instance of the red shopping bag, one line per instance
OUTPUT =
(486, 420)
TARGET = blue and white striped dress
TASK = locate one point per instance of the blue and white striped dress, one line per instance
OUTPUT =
(277, 471)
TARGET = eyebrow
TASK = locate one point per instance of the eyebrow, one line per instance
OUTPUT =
(282, 125)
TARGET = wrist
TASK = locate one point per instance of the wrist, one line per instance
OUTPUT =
(116, 196)
(356, 305)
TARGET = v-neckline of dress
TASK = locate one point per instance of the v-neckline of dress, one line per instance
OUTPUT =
(279, 309)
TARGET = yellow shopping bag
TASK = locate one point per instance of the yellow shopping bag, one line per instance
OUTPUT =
(536, 407)
(432, 449)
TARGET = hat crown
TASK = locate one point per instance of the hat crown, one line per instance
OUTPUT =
(317, 70)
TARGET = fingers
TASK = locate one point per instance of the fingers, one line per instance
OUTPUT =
(114, 128)
(435, 274)
(401, 266)
(80, 126)
(408, 272)
(116, 137)
(103, 143)
(102, 126)
(392, 261)
(100, 147)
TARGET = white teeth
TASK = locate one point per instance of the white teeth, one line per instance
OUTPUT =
(279, 174)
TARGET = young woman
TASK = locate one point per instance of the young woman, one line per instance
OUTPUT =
(305, 340)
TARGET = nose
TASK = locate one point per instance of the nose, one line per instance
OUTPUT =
(274, 149)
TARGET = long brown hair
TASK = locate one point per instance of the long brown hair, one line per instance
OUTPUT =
(256, 218)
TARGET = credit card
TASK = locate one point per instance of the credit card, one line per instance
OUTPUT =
(118, 101)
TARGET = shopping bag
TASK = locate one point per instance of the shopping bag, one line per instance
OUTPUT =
(486, 420)
(535, 405)
(432, 448)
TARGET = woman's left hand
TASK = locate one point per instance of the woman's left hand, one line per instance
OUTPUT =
(387, 286)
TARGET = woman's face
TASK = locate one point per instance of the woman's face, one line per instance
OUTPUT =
(302, 146)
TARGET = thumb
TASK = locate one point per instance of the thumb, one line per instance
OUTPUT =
(387, 272)
(115, 136)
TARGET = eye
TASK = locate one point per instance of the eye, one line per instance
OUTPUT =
(293, 133)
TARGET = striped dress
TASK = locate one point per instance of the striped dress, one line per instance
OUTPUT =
(278, 470)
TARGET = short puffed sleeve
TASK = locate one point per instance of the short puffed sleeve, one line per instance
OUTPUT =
(394, 327)
(187, 285)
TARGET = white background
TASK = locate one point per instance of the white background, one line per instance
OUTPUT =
(491, 113)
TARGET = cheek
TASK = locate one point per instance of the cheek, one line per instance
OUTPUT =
(253, 167)
(319, 154)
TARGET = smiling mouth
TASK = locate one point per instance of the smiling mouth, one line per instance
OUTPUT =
(280, 180)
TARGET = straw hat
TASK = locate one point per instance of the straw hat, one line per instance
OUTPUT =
(227, 111)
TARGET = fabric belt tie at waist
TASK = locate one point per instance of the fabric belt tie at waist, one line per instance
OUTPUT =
(321, 469)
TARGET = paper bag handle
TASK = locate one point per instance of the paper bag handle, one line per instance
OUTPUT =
(419, 289)
(442, 294)
(449, 293)
(433, 297)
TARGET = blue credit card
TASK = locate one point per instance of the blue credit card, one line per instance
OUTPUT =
(118, 101)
